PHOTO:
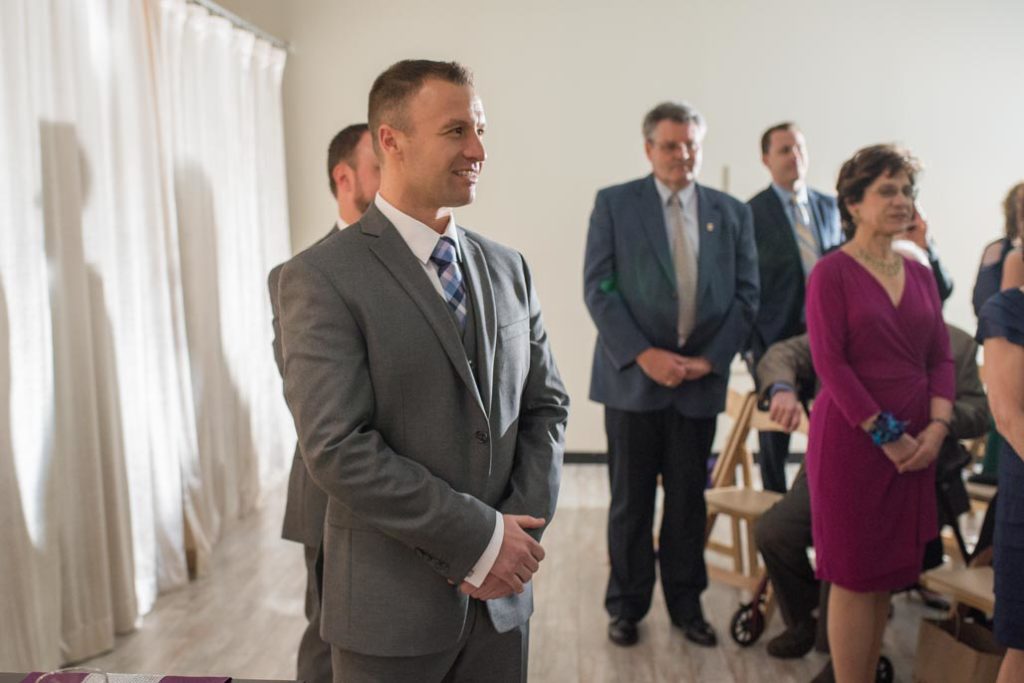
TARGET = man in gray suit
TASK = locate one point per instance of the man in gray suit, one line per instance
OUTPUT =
(670, 279)
(427, 405)
(353, 173)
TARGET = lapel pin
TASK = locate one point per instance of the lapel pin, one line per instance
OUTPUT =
(711, 227)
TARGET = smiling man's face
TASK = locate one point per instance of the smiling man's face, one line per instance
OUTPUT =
(441, 152)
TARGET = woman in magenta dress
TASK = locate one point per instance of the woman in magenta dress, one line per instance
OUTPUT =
(881, 350)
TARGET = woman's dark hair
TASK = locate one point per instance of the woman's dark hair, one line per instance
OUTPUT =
(862, 169)
(1013, 210)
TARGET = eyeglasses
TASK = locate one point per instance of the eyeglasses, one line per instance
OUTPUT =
(673, 147)
(892, 191)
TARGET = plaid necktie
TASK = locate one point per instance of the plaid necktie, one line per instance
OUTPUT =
(451, 279)
(804, 238)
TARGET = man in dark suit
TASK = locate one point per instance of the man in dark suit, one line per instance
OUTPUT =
(427, 404)
(354, 175)
(793, 225)
(670, 280)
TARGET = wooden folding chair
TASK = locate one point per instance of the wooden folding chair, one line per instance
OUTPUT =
(743, 505)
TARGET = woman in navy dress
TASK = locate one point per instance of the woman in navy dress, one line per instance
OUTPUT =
(989, 280)
(1001, 329)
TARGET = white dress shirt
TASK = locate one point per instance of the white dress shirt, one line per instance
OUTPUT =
(421, 240)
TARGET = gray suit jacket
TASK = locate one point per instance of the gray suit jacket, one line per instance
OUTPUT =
(306, 505)
(416, 459)
(629, 284)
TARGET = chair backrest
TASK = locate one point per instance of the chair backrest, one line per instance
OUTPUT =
(741, 408)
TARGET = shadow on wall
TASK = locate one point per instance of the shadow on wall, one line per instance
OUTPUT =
(226, 463)
(87, 504)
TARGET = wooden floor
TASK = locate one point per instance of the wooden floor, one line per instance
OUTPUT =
(245, 617)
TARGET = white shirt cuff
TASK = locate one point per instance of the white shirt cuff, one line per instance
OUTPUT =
(482, 568)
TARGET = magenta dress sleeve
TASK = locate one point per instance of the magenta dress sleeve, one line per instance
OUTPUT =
(941, 369)
(827, 332)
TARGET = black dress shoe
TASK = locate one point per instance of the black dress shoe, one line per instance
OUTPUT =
(794, 642)
(622, 631)
(700, 632)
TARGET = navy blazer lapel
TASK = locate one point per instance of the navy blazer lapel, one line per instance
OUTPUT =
(709, 230)
(403, 265)
(652, 217)
(479, 278)
(782, 222)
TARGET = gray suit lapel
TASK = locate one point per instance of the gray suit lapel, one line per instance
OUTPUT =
(652, 217)
(479, 277)
(709, 230)
(396, 256)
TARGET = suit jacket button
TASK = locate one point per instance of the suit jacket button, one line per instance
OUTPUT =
(482, 437)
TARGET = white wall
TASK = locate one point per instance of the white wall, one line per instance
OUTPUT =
(566, 85)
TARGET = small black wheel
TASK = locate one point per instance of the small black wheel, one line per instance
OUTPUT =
(747, 625)
(885, 672)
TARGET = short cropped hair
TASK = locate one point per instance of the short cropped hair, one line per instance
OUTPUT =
(860, 170)
(392, 90)
(1013, 211)
(766, 137)
(343, 148)
(680, 112)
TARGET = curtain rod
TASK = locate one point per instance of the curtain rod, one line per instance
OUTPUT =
(214, 8)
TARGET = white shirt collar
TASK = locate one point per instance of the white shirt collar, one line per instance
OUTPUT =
(340, 223)
(785, 195)
(686, 194)
(418, 235)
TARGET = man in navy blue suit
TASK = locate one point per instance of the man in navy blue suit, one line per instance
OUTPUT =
(793, 225)
(670, 280)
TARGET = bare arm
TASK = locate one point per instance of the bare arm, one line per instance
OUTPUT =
(1013, 269)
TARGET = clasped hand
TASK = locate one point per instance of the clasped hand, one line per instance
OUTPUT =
(518, 560)
(910, 454)
(671, 369)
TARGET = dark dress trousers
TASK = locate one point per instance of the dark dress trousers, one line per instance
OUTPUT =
(630, 291)
(780, 312)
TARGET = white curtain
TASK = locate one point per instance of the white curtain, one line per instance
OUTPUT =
(221, 110)
(142, 201)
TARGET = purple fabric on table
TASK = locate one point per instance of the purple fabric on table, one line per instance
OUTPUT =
(869, 522)
(68, 677)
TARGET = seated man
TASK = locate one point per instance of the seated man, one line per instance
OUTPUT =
(783, 534)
